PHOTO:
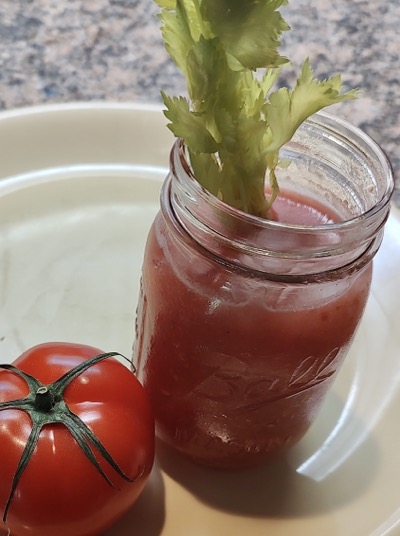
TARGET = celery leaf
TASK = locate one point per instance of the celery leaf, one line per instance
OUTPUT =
(288, 109)
(250, 30)
(168, 4)
(188, 125)
(234, 122)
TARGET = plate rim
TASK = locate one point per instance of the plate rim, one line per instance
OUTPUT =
(143, 107)
(35, 109)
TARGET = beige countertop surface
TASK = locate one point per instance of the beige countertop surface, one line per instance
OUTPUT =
(80, 50)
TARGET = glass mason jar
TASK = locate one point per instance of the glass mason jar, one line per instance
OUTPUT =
(243, 322)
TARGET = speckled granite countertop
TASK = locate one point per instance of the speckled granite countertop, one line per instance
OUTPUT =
(76, 50)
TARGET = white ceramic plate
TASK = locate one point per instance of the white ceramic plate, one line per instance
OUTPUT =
(79, 188)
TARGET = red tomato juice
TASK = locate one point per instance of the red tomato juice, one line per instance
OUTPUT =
(236, 365)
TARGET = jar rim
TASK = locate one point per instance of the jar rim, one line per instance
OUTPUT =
(324, 120)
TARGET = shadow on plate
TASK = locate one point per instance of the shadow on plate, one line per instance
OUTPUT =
(147, 515)
(277, 489)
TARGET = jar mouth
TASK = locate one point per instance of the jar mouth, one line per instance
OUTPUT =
(332, 163)
(300, 269)
(320, 120)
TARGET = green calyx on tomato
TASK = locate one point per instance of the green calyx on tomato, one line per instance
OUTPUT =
(45, 404)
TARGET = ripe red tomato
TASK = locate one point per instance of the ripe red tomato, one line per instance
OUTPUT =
(61, 492)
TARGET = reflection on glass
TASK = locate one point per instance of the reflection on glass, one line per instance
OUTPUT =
(377, 373)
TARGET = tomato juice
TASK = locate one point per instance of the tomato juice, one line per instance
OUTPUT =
(298, 210)
(236, 363)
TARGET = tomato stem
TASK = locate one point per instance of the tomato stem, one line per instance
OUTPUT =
(44, 400)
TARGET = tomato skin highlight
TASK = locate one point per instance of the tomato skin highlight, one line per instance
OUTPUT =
(61, 492)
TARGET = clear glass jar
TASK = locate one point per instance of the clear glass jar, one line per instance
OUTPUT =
(243, 322)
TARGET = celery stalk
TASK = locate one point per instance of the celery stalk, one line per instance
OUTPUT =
(234, 122)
